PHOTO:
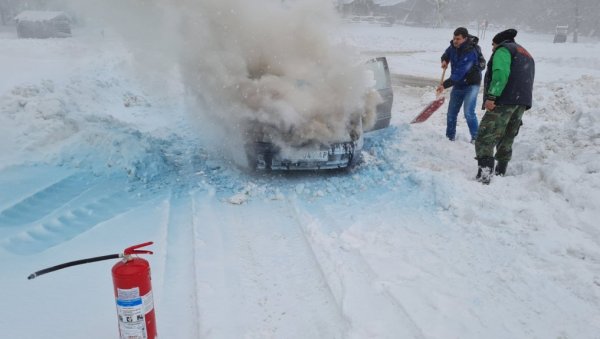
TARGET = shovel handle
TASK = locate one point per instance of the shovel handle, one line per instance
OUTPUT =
(443, 75)
(442, 81)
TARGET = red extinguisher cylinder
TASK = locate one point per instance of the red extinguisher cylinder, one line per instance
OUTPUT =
(134, 299)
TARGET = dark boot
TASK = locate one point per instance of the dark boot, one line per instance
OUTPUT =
(501, 168)
(485, 170)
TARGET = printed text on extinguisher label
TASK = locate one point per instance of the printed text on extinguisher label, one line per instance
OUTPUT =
(130, 310)
(148, 302)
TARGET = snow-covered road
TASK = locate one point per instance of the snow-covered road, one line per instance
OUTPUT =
(407, 245)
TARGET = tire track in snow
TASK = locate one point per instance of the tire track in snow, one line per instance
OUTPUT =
(218, 281)
(257, 276)
(179, 286)
(45, 200)
(101, 202)
(373, 311)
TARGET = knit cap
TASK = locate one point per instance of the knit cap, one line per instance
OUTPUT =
(507, 35)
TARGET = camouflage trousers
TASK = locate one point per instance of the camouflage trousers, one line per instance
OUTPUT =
(498, 128)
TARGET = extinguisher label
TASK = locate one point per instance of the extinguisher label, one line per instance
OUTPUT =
(130, 310)
(148, 302)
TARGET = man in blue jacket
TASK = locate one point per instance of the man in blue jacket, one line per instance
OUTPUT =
(465, 79)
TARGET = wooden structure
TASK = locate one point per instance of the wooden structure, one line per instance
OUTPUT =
(560, 36)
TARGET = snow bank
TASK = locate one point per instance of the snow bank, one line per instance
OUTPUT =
(82, 117)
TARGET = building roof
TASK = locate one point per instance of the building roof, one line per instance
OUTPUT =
(385, 3)
(382, 3)
(39, 15)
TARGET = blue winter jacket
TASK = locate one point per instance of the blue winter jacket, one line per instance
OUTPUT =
(462, 60)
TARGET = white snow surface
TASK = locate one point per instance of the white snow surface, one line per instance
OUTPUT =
(406, 245)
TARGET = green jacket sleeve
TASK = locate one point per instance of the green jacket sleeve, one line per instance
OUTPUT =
(500, 71)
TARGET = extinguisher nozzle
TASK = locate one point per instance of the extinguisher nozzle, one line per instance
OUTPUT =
(73, 263)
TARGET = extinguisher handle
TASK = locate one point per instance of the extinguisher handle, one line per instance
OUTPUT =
(134, 249)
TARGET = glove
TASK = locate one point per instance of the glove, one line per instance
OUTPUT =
(448, 83)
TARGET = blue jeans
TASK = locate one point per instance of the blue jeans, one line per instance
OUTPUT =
(465, 96)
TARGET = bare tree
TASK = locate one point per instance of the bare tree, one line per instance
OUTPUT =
(577, 19)
(10, 8)
(439, 7)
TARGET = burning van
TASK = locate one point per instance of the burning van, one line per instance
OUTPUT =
(265, 151)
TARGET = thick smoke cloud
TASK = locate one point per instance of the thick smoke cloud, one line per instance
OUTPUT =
(273, 65)
(266, 63)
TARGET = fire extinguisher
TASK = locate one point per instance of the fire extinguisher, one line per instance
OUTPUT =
(133, 293)
(132, 289)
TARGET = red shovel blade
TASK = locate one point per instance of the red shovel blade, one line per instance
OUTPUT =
(428, 111)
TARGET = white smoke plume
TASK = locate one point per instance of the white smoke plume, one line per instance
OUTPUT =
(267, 64)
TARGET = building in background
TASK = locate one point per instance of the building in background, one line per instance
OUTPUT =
(43, 25)
(416, 12)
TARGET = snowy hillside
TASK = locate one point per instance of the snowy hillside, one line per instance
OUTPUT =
(94, 157)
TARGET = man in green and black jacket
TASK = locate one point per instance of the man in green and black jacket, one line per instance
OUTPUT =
(508, 92)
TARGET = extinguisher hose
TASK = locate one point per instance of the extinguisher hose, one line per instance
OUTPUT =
(74, 263)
